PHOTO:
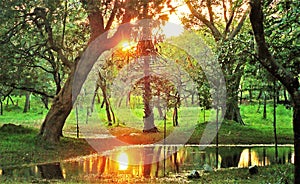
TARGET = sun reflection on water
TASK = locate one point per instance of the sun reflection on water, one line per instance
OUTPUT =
(122, 159)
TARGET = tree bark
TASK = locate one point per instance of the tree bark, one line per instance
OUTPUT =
(274, 121)
(61, 107)
(265, 106)
(27, 102)
(289, 80)
(103, 87)
(107, 105)
(259, 94)
(45, 100)
(1, 107)
(233, 110)
(158, 106)
(94, 98)
(147, 96)
(286, 101)
(250, 94)
(175, 116)
(51, 129)
(241, 96)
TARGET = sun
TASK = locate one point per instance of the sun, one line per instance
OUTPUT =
(123, 161)
(127, 45)
(174, 26)
(180, 9)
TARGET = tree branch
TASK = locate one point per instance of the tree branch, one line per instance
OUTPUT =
(228, 24)
(210, 12)
(224, 11)
(215, 32)
(41, 13)
(112, 16)
(240, 24)
(30, 90)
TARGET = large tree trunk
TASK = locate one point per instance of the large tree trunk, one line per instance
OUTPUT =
(147, 96)
(233, 110)
(289, 80)
(51, 128)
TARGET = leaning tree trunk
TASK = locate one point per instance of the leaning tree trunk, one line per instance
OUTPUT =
(51, 128)
(62, 104)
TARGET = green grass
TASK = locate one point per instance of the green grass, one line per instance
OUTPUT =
(14, 113)
(130, 120)
(256, 129)
(21, 146)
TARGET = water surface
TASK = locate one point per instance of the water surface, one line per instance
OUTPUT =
(152, 161)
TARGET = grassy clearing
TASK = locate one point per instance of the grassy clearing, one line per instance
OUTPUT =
(191, 121)
(130, 127)
(130, 121)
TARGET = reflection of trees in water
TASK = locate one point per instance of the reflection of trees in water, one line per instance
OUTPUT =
(45, 171)
(157, 161)
(264, 156)
(148, 162)
(51, 171)
(18, 172)
(230, 157)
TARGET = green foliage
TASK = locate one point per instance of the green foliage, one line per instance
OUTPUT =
(282, 33)
(32, 40)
